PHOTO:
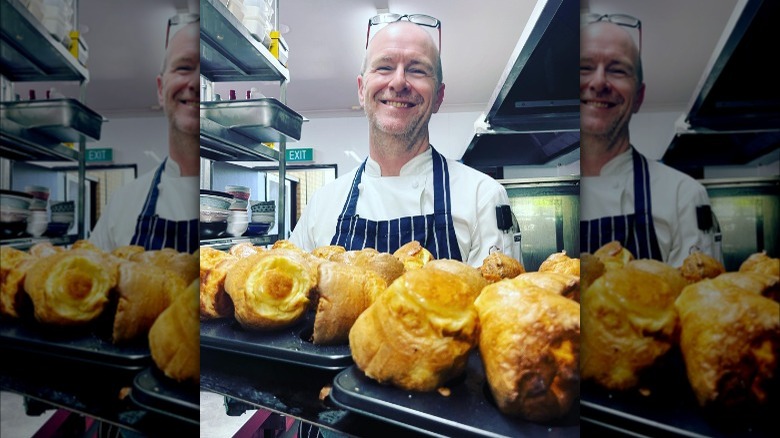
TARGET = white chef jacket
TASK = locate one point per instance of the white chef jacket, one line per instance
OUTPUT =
(474, 198)
(674, 197)
(179, 200)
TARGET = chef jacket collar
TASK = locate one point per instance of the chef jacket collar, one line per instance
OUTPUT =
(416, 166)
(615, 165)
(172, 168)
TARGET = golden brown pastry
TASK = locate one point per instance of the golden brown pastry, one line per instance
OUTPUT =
(127, 251)
(591, 268)
(14, 265)
(628, 322)
(327, 251)
(562, 263)
(529, 342)
(184, 265)
(43, 249)
(214, 266)
(413, 255)
(244, 249)
(86, 245)
(498, 266)
(174, 340)
(670, 275)
(344, 292)
(758, 283)
(730, 340)
(284, 244)
(613, 255)
(565, 285)
(144, 292)
(469, 274)
(70, 287)
(761, 262)
(270, 289)
(698, 266)
(418, 333)
(386, 265)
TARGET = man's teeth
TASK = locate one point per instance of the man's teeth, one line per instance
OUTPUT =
(191, 103)
(399, 104)
(598, 104)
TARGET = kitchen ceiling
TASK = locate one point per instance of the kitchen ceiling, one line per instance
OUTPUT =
(327, 43)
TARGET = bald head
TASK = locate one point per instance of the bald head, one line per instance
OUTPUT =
(606, 34)
(403, 34)
(184, 36)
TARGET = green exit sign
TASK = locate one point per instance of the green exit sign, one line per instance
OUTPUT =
(302, 154)
(100, 155)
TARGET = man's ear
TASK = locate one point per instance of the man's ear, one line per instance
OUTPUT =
(640, 97)
(160, 97)
(439, 98)
(360, 89)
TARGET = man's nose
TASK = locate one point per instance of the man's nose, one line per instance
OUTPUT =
(398, 81)
(598, 79)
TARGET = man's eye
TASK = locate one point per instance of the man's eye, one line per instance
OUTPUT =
(617, 72)
(418, 72)
(383, 68)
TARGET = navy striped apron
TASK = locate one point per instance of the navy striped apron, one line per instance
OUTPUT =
(634, 231)
(153, 232)
(434, 231)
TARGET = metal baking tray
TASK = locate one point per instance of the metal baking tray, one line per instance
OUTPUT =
(156, 392)
(669, 408)
(83, 345)
(264, 120)
(469, 410)
(62, 119)
(291, 344)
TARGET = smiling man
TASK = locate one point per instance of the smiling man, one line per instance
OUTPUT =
(651, 209)
(405, 190)
(160, 209)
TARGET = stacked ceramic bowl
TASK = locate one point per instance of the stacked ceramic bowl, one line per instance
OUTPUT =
(62, 216)
(214, 212)
(14, 212)
(263, 217)
(38, 222)
(240, 197)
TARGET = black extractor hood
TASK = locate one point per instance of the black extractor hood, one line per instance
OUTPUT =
(734, 116)
(533, 116)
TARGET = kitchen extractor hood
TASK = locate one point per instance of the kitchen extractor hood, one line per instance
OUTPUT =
(734, 115)
(533, 115)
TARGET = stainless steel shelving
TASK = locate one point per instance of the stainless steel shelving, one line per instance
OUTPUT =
(229, 53)
(28, 53)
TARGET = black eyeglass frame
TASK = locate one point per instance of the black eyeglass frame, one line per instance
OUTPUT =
(373, 21)
(632, 22)
(180, 19)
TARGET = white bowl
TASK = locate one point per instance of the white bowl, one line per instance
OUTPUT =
(236, 228)
(37, 228)
(8, 214)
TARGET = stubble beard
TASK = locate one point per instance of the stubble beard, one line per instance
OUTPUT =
(390, 136)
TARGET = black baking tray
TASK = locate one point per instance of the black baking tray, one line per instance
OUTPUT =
(89, 346)
(469, 410)
(290, 344)
(664, 404)
(156, 392)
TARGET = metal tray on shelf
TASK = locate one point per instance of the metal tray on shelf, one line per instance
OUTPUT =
(89, 347)
(290, 345)
(62, 119)
(264, 120)
(156, 392)
(667, 406)
(469, 410)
